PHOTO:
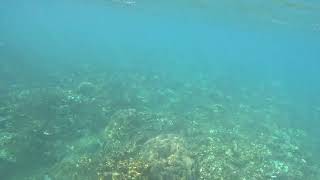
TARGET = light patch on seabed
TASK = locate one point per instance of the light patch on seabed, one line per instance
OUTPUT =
(125, 2)
(279, 21)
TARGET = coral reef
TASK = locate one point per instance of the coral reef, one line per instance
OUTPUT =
(87, 88)
(168, 158)
(123, 126)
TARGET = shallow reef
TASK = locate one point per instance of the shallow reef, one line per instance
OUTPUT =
(123, 126)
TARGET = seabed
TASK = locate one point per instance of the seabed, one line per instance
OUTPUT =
(117, 125)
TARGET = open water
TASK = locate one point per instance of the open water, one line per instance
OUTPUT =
(136, 89)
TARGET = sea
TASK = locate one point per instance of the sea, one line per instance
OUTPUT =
(159, 90)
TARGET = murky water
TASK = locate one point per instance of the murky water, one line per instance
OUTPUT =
(130, 89)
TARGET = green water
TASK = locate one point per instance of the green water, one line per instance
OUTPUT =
(168, 90)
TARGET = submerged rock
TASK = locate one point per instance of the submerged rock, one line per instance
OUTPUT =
(87, 88)
(168, 158)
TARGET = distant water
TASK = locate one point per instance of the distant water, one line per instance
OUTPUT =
(270, 45)
(274, 41)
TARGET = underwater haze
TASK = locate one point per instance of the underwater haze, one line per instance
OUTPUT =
(159, 90)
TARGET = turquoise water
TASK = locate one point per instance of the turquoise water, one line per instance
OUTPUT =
(159, 90)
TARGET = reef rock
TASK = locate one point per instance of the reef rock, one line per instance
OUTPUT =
(168, 158)
(87, 88)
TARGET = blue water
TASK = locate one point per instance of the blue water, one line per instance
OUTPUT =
(273, 41)
(273, 46)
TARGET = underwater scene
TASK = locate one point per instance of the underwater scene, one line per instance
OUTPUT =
(159, 90)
